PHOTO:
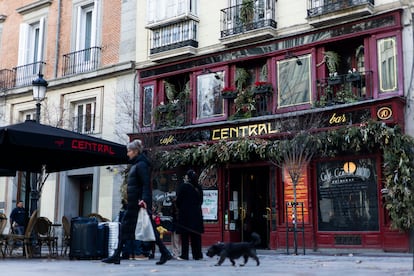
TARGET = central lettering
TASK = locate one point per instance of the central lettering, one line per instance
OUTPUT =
(243, 131)
(91, 146)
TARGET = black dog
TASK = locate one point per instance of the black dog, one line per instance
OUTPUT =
(234, 250)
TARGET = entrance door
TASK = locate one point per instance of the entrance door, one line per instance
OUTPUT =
(249, 201)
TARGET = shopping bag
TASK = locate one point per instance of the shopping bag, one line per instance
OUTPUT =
(143, 229)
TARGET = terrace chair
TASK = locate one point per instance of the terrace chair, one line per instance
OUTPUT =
(3, 223)
(28, 240)
(66, 235)
(43, 231)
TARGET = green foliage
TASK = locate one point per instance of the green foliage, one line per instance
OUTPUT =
(396, 147)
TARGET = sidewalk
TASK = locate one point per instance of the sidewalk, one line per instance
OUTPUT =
(272, 263)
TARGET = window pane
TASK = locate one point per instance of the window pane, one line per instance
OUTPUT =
(294, 85)
(147, 105)
(387, 64)
(209, 100)
(347, 195)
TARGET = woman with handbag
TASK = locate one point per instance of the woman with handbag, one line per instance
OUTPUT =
(139, 196)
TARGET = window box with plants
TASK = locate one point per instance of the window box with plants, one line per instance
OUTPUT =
(353, 75)
(261, 87)
(229, 93)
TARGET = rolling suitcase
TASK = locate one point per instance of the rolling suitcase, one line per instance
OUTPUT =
(102, 240)
(113, 237)
(83, 238)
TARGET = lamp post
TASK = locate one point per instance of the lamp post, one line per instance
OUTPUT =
(39, 93)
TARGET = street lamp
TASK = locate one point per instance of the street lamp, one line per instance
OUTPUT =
(39, 93)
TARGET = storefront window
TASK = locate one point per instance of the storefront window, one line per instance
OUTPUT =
(294, 86)
(387, 64)
(209, 99)
(347, 196)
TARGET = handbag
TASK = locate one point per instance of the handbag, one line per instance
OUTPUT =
(143, 229)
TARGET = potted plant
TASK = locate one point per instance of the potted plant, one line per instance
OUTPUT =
(247, 11)
(353, 75)
(245, 104)
(331, 59)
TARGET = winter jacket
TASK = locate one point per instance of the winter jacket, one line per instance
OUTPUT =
(138, 188)
(190, 216)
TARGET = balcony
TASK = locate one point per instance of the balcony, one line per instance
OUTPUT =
(174, 40)
(85, 124)
(248, 22)
(332, 11)
(81, 61)
(171, 115)
(341, 89)
(25, 74)
(7, 79)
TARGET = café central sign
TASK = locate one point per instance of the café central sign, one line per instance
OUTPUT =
(243, 131)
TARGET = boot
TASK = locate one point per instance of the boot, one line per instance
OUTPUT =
(115, 258)
(164, 258)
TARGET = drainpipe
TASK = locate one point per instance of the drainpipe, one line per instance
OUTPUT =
(59, 15)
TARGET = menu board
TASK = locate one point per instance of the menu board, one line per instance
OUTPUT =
(210, 204)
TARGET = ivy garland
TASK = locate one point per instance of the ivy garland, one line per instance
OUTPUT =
(397, 149)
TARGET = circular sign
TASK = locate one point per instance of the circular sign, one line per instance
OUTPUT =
(384, 113)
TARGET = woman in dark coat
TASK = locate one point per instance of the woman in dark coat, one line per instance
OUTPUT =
(139, 195)
(190, 217)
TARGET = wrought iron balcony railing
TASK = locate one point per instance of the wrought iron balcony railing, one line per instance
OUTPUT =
(85, 124)
(246, 17)
(25, 74)
(340, 89)
(317, 7)
(81, 61)
(174, 36)
(7, 79)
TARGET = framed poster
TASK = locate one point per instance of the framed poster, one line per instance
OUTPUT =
(210, 204)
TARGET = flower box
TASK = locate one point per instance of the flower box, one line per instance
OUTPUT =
(262, 88)
(229, 95)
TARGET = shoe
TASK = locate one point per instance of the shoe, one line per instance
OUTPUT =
(151, 256)
(181, 258)
(112, 260)
(164, 258)
(141, 258)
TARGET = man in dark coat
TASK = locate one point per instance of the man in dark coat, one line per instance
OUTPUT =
(190, 217)
(139, 195)
(18, 218)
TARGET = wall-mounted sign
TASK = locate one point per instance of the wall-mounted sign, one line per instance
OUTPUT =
(384, 113)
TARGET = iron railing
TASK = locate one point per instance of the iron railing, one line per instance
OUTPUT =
(7, 79)
(246, 17)
(81, 61)
(85, 124)
(318, 7)
(25, 74)
(174, 36)
(339, 89)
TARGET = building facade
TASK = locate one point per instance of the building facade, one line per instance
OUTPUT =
(220, 80)
(85, 50)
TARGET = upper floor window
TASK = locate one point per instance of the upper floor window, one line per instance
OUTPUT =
(210, 103)
(84, 116)
(86, 25)
(294, 81)
(147, 105)
(387, 64)
(31, 42)
(163, 10)
(31, 51)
